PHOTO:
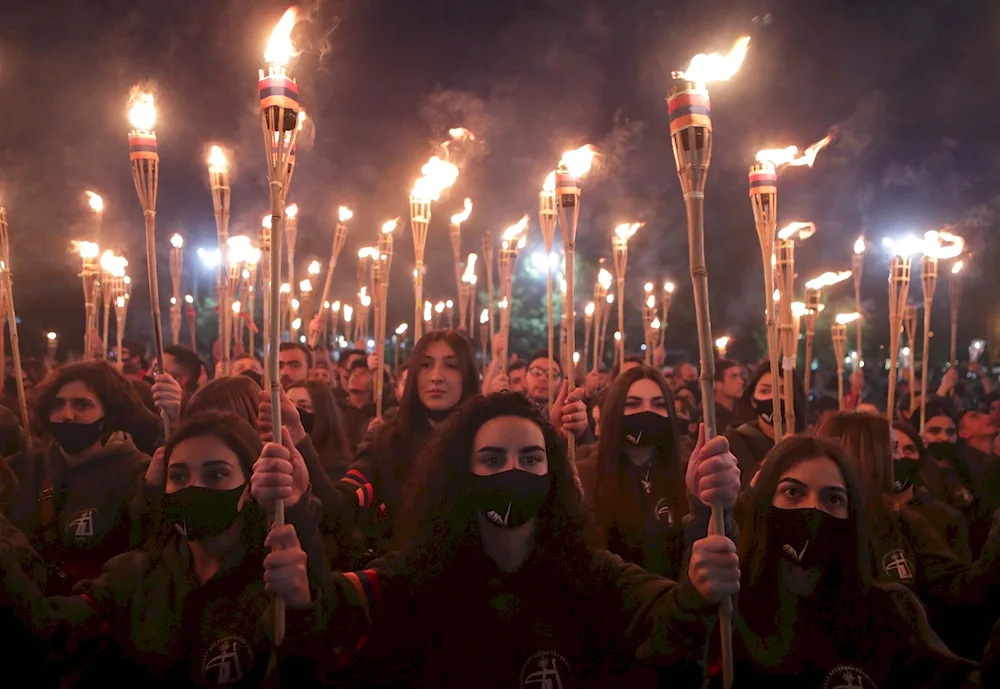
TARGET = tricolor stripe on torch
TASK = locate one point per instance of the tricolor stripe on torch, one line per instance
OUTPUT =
(276, 150)
(689, 108)
(278, 90)
(142, 146)
(763, 179)
(566, 182)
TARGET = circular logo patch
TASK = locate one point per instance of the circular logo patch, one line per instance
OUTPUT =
(226, 661)
(546, 670)
(848, 677)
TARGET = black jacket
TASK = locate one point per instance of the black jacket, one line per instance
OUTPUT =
(750, 446)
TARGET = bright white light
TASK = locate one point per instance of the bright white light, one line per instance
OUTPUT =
(538, 261)
(371, 343)
(210, 258)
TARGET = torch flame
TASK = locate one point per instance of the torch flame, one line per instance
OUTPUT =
(266, 222)
(469, 276)
(388, 227)
(177, 241)
(579, 161)
(438, 175)
(439, 307)
(305, 286)
(668, 287)
(549, 185)
(120, 302)
(217, 162)
(95, 201)
(460, 218)
(648, 287)
(461, 134)
(188, 298)
(859, 245)
(790, 155)
(484, 317)
(279, 47)
(618, 335)
(799, 309)
(722, 342)
(515, 232)
(797, 230)
(344, 213)
(957, 268)
(401, 329)
(51, 336)
(716, 67)
(651, 302)
(335, 306)
(292, 211)
(113, 265)
(828, 278)
(348, 312)
(626, 230)
(604, 278)
(943, 244)
(589, 310)
(843, 318)
(610, 298)
(907, 246)
(427, 310)
(142, 111)
(285, 288)
(655, 325)
(313, 268)
(87, 249)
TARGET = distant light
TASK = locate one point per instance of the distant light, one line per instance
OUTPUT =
(642, 347)
(371, 343)
(51, 335)
(210, 258)
(302, 339)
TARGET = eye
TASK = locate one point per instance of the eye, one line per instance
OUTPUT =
(791, 491)
(837, 499)
(530, 460)
(177, 475)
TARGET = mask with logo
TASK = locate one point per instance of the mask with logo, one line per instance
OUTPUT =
(74, 438)
(764, 409)
(645, 428)
(511, 498)
(307, 418)
(203, 513)
(810, 538)
(904, 472)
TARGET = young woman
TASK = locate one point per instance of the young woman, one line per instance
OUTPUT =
(752, 441)
(634, 484)
(498, 582)
(238, 395)
(191, 608)
(323, 420)
(809, 614)
(78, 500)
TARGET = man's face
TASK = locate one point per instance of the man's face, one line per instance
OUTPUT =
(360, 381)
(537, 380)
(940, 429)
(977, 425)
(345, 369)
(517, 380)
(688, 374)
(733, 382)
(173, 369)
(320, 373)
(247, 364)
(292, 366)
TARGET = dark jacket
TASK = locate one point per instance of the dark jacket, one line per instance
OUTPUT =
(946, 520)
(750, 446)
(356, 420)
(159, 625)
(93, 511)
(515, 629)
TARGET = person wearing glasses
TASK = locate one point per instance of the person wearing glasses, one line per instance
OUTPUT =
(537, 380)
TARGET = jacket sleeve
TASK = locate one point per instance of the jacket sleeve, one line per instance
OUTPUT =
(361, 598)
(667, 622)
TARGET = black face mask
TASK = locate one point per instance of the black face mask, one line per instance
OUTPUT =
(202, 512)
(74, 438)
(904, 472)
(764, 409)
(511, 498)
(307, 418)
(810, 538)
(947, 451)
(645, 428)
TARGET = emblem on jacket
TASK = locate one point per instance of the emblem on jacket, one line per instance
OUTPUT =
(226, 661)
(81, 526)
(662, 511)
(495, 517)
(895, 562)
(546, 670)
(848, 677)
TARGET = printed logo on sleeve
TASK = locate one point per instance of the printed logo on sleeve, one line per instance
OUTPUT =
(848, 677)
(546, 670)
(226, 661)
(81, 526)
(895, 562)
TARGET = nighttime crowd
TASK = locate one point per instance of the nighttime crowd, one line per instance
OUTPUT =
(455, 540)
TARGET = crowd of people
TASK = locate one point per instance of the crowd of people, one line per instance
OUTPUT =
(460, 539)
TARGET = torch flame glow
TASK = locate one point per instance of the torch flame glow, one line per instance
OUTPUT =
(648, 287)
(668, 287)
(797, 230)
(549, 185)
(113, 265)
(279, 46)
(236, 307)
(484, 317)
(427, 310)
(790, 155)
(461, 134)
(217, 161)
(51, 336)
(177, 241)
(188, 298)
(313, 268)
(843, 318)
(957, 268)
(388, 227)
(142, 111)
(401, 329)
(716, 67)
(859, 245)
(618, 336)
(438, 175)
(626, 230)
(95, 201)
(266, 222)
(651, 302)
(439, 307)
(469, 276)
(348, 312)
(907, 246)
(604, 278)
(292, 211)
(943, 244)
(799, 309)
(335, 306)
(460, 218)
(579, 161)
(120, 301)
(722, 342)
(610, 299)
(655, 325)
(344, 213)
(239, 249)
(87, 249)
(305, 286)
(285, 288)
(828, 278)
(515, 232)
(589, 310)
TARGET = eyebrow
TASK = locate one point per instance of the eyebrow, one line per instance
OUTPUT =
(493, 448)
(789, 479)
(209, 463)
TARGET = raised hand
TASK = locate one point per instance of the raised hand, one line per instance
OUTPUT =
(289, 417)
(285, 573)
(713, 473)
(279, 474)
(714, 568)
(167, 395)
(569, 412)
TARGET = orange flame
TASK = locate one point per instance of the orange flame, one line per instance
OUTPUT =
(292, 211)
(461, 134)
(828, 278)
(438, 175)
(943, 244)
(578, 161)
(844, 318)
(460, 218)
(604, 278)
(516, 232)
(716, 67)
(589, 310)
(142, 110)
(217, 162)
(797, 230)
(279, 46)
(388, 227)
(86, 249)
(95, 201)
(957, 268)
(625, 231)
(177, 241)
(790, 155)
(859, 245)
(344, 213)
(549, 185)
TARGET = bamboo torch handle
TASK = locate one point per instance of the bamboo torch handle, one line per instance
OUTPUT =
(277, 203)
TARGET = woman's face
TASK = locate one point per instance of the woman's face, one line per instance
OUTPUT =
(763, 389)
(206, 462)
(645, 395)
(903, 447)
(813, 483)
(509, 442)
(300, 398)
(439, 380)
(76, 403)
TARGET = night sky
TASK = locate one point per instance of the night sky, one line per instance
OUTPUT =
(911, 89)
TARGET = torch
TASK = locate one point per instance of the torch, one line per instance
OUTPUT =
(609, 299)
(857, 270)
(361, 321)
(648, 316)
(588, 322)
(511, 242)
(438, 175)
(839, 333)
(691, 136)
(52, 342)
(218, 179)
(910, 327)
(619, 248)
(305, 301)
(449, 307)
(720, 346)
(348, 325)
(121, 311)
(8, 294)
(400, 336)
(89, 252)
(339, 237)
(313, 272)
(291, 234)
(380, 275)
(467, 295)
(335, 310)
(264, 240)
(438, 310)
(112, 269)
(192, 318)
(785, 271)
(813, 305)
(601, 287)
(955, 301)
(668, 298)
(176, 264)
(455, 234)
(484, 331)
(899, 285)
(547, 220)
(429, 314)
(146, 175)
(488, 262)
(279, 108)
(238, 251)
(237, 325)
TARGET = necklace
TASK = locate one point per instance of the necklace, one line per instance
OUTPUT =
(647, 485)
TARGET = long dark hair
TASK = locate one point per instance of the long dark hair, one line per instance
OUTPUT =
(867, 444)
(237, 394)
(617, 500)
(918, 442)
(329, 431)
(439, 526)
(799, 397)
(412, 412)
(843, 584)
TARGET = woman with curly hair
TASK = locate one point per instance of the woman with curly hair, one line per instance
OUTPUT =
(499, 582)
(77, 499)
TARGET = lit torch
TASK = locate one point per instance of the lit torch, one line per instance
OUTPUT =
(588, 322)
(668, 298)
(467, 295)
(334, 317)
(813, 305)
(955, 301)
(96, 204)
(857, 270)
(484, 328)
(910, 328)
(399, 338)
(52, 345)
(239, 251)
(339, 238)
(218, 179)
(511, 243)
(89, 252)
(488, 263)
(437, 175)
(176, 266)
(899, 286)
(455, 234)
(291, 233)
(603, 301)
(547, 220)
(8, 298)
(380, 279)
(113, 283)
(721, 344)
(192, 318)
(619, 249)
(839, 334)
(145, 159)
(648, 316)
